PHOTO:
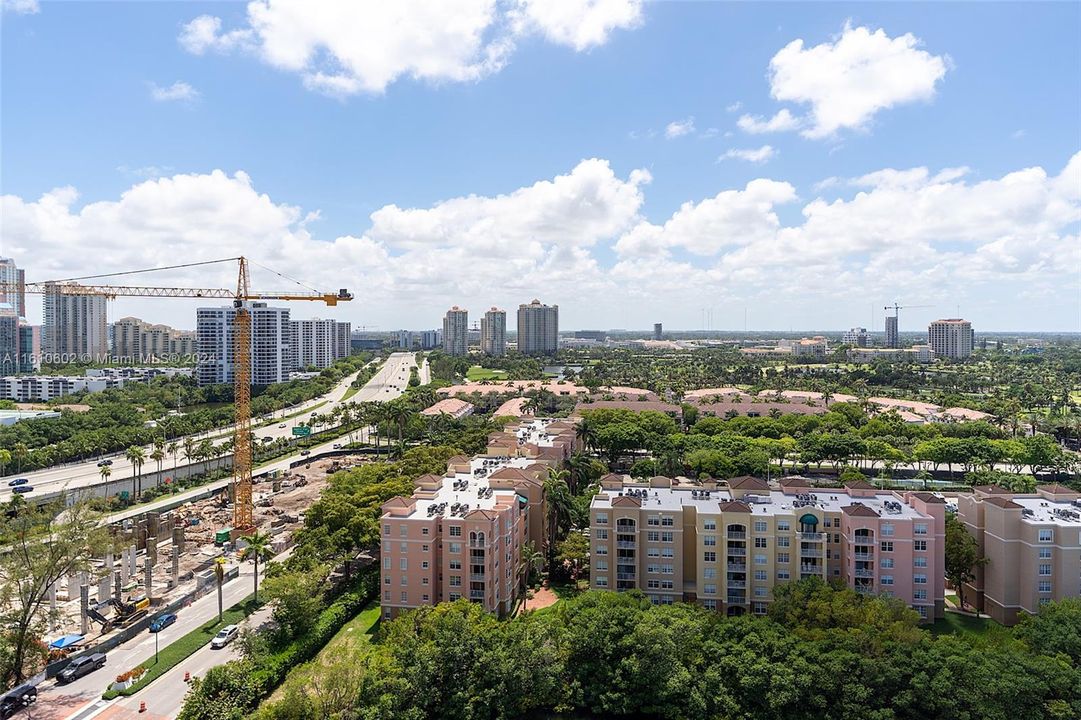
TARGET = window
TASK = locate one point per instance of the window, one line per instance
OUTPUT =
(919, 529)
(386, 529)
(386, 563)
(922, 610)
(456, 547)
(887, 580)
(919, 594)
(424, 581)
(386, 595)
(601, 518)
(667, 521)
(887, 528)
(782, 557)
(919, 546)
(653, 536)
(455, 596)
(667, 569)
(709, 524)
(759, 574)
(403, 547)
(425, 548)
(709, 540)
(886, 563)
(602, 534)
(602, 550)
(709, 589)
(783, 526)
(653, 521)
(667, 552)
(601, 582)
(424, 531)
(758, 608)
(760, 526)
(760, 560)
(403, 530)
(405, 596)
(1044, 586)
(387, 547)
(709, 556)
(920, 562)
(1046, 536)
(386, 579)
(761, 592)
(667, 537)
(404, 580)
(784, 542)
(455, 564)
(783, 575)
(653, 552)
(653, 584)
(1045, 553)
(1045, 569)
(887, 546)
(654, 569)
(403, 564)
(424, 565)
(455, 531)
(455, 580)
(599, 566)
(709, 573)
(919, 579)
(760, 542)
(709, 604)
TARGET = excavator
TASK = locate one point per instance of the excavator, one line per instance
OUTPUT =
(126, 612)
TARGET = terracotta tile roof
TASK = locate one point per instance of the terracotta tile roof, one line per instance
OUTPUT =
(626, 500)
(790, 483)
(762, 408)
(991, 490)
(1057, 489)
(735, 506)
(858, 485)
(635, 405)
(859, 511)
(928, 497)
(1002, 502)
(748, 482)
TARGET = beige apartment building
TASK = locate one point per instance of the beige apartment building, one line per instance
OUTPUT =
(1033, 546)
(460, 535)
(727, 545)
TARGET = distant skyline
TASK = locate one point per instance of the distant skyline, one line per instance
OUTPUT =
(805, 164)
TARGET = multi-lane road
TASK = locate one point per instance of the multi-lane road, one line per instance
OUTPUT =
(388, 383)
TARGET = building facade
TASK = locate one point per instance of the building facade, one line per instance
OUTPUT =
(893, 337)
(856, 337)
(658, 331)
(456, 331)
(460, 535)
(318, 343)
(29, 348)
(13, 286)
(1032, 543)
(75, 326)
(271, 351)
(538, 328)
(9, 340)
(493, 333)
(950, 338)
(727, 546)
(140, 341)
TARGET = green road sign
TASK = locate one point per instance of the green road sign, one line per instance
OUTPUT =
(302, 431)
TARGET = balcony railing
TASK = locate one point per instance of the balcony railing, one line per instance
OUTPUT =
(477, 577)
(626, 544)
(810, 552)
(625, 576)
(737, 584)
(740, 599)
(476, 594)
(736, 535)
(737, 567)
(863, 555)
(811, 536)
(737, 551)
(813, 569)
(865, 573)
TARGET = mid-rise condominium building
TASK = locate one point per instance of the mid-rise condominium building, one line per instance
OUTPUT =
(856, 337)
(727, 546)
(950, 338)
(538, 328)
(271, 351)
(138, 340)
(893, 337)
(658, 331)
(319, 343)
(75, 326)
(1032, 543)
(29, 348)
(460, 535)
(12, 286)
(493, 333)
(456, 331)
(9, 340)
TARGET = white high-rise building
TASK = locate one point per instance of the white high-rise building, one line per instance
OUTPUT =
(271, 350)
(538, 328)
(493, 333)
(856, 337)
(75, 326)
(456, 331)
(318, 343)
(12, 287)
(950, 338)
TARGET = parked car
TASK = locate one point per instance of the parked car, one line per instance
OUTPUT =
(16, 699)
(81, 666)
(22, 489)
(162, 621)
(225, 636)
(18, 481)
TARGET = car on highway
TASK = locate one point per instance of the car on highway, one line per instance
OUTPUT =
(281, 425)
(103, 463)
(305, 452)
(18, 481)
(22, 489)
(225, 636)
(16, 699)
(81, 666)
(162, 622)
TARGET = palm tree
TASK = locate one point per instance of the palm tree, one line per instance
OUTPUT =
(105, 471)
(173, 448)
(219, 575)
(532, 561)
(20, 453)
(558, 502)
(258, 546)
(158, 455)
(586, 434)
(189, 452)
(399, 413)
(136, 456)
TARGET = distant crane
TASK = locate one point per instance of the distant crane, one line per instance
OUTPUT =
(898, 308)
(242, 445)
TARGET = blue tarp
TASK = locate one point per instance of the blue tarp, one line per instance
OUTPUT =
(66, 641)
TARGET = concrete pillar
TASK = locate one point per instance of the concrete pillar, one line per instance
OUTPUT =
(73, 586)
(133, 550)
(176, 566)
(179, 539)
(52, 599)
(152, 526)
(84, 605)
(148, 578)
(104, 583)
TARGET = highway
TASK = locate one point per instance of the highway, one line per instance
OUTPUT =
(386, 384)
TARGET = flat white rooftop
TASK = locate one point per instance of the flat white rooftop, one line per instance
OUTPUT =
(1043, 512)
(472, 488)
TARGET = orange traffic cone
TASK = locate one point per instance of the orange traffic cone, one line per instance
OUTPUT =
(142, 707)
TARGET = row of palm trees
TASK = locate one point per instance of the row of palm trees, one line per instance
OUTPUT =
(192, 450)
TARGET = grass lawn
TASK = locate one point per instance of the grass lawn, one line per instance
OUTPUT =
(983, 627)
(477, 373)
(353, 390)
(348, 642)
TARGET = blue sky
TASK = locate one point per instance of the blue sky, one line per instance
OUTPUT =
(129, 108)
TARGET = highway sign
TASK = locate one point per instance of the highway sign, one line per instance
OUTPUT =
(302, 431)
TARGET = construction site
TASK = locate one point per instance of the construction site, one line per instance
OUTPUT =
(165, 560)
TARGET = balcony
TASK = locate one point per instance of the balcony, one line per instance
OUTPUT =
(811, 536)
(812, 569)
(737, 599)
(865, 589)
(737, 584)
(476, 594)
(863, 556)
(625, 576)
(626, 544)
(736, 535)
(737, 552)
(477, 577)
(810, 552)
(865, 573)
(737, 567)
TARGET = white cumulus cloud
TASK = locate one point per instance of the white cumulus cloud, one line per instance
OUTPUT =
(177, 92)
(754, 155)
(848, 81)
(344, 47)
(20, 7)
(679, 128)
(783, 121)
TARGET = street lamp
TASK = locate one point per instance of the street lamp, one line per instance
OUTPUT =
(156, 646)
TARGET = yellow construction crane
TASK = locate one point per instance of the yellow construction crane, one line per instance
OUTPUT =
(242, 445)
